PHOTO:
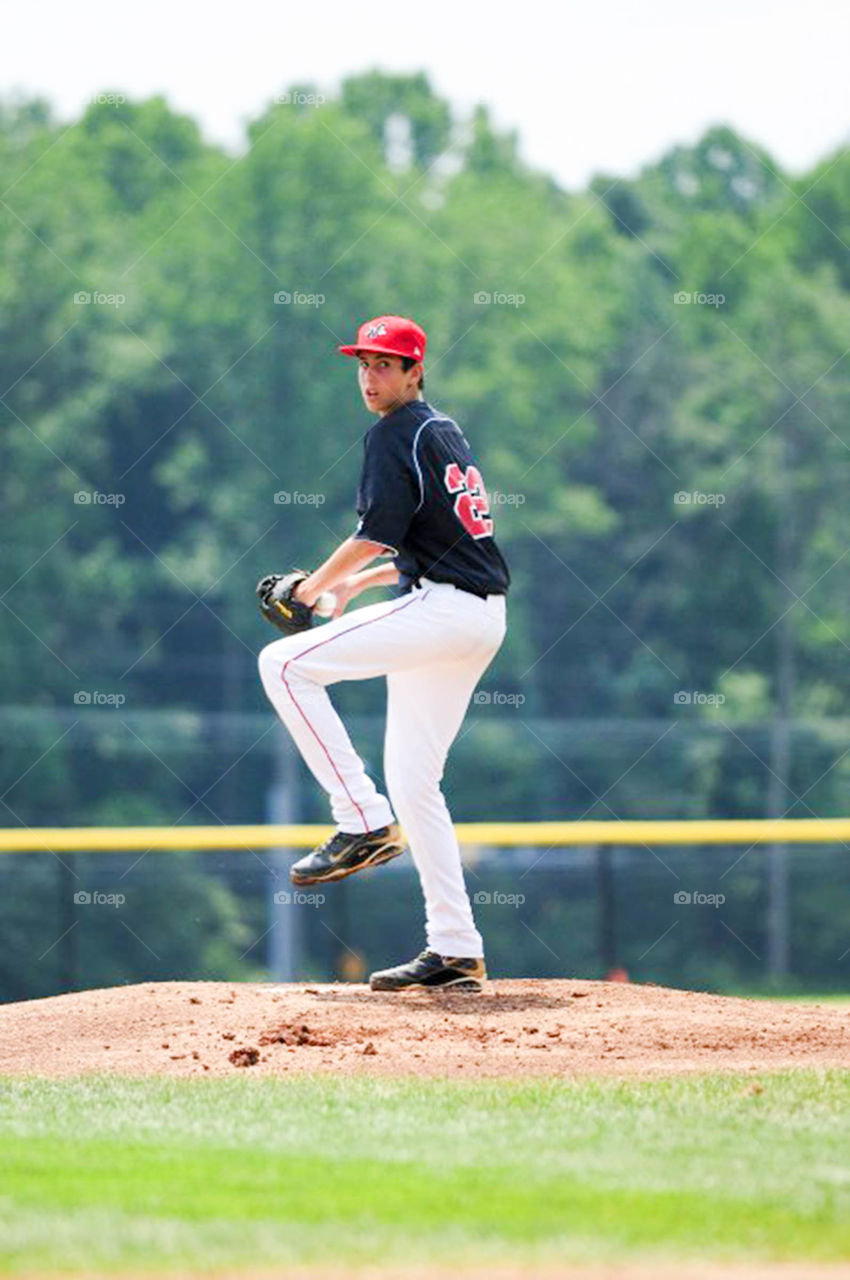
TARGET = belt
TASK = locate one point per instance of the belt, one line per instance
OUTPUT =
(406, 580)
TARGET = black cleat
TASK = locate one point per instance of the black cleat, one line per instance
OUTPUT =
(432, 972)
(344, 853)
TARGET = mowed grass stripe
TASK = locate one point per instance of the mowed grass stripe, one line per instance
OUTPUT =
(240, 1187)
(210, 1172)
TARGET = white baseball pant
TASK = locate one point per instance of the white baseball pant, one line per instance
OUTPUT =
(433, 645)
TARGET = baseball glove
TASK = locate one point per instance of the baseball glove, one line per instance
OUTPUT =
(278, 604)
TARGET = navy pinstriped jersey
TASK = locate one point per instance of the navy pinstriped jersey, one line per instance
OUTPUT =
(422, 496)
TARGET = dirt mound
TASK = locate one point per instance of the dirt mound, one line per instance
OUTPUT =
(516, 1028)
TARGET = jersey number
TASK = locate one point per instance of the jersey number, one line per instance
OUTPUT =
(472, 506)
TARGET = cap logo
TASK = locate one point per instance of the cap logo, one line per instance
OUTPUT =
(376, 331)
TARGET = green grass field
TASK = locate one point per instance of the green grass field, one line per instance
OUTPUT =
(114, 1174)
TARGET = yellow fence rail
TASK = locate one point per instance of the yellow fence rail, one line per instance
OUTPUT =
(304, 836)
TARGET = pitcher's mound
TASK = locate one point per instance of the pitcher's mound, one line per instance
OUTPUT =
(516, 1028)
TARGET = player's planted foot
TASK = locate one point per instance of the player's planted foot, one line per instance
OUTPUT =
(432, 971)
(344, 853)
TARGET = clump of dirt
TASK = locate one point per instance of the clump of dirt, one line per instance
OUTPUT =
(532, 1027)
(293, 1035)
(244, 1057)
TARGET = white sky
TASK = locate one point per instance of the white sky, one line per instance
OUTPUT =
(600, 85)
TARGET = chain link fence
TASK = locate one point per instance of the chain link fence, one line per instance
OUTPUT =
(697, 917)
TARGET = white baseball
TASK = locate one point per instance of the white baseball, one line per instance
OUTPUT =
(325, 604)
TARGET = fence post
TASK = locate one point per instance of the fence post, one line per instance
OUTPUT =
(607, 915)
(285, 921)
(67, 949)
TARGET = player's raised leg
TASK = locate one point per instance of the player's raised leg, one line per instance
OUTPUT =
(360, 645)
(297, 691)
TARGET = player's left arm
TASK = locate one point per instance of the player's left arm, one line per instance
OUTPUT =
(349, 558)
(387, 496)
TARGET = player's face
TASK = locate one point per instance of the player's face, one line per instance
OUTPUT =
(384, 384)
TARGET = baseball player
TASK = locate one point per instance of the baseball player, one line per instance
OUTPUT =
(423, 511)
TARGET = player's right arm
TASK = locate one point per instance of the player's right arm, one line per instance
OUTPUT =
(387, 497)
(381, 575)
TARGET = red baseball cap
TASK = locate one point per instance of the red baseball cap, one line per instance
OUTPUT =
(394, 335)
